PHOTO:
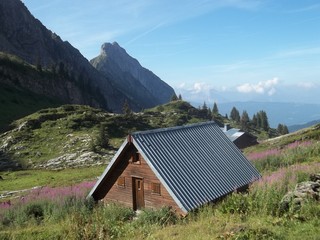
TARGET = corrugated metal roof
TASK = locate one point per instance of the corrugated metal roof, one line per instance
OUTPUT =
(196, 163)
(233, 133)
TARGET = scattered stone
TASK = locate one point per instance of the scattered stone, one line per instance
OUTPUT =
(78, 159)
(315, 177)
(302, 192)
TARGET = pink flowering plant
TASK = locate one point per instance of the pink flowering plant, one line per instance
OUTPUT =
(293, 153)
(45, 202)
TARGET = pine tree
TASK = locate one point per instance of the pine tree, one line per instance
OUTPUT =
(204, 106)
(204, 111)
(234, 115)
(215, 109)
(285, 129)
(254, 121)
(126, 109)
(245, 120)
(179, 97)
(102, 138)
(262, 120)
(282, 129)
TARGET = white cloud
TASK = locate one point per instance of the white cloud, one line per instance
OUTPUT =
(306, 85)
(200, 87)
(262, 87)
(181, 85)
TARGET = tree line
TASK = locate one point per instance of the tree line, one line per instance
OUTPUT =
(259, 120)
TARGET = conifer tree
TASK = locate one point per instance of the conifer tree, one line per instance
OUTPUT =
(262, 120)
(126, 109)
(282, 129)
(245, 120)
(215, 109)
(234, 115)
(204, 111)
(254, 121)
(204, 106)
(102, 138)
(285, 129)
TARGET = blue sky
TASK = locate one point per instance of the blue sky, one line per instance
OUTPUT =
(218, 50)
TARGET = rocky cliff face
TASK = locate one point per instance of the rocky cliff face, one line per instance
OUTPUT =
(74, 79)
(134, 80)
(24, 36)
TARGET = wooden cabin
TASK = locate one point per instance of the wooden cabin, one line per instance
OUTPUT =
(240, 138)
(181, 167)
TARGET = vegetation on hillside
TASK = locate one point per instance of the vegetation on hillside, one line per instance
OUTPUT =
(76, 135)
(15, 101)
(26, 88)
(44, 204)
(53, 213)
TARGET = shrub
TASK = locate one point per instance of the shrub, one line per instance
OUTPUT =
(236, 203)
(116, 213)
(68, 108)
(34, 210)
(162, 217)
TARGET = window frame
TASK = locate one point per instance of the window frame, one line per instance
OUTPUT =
(155, 188)
(136, 158)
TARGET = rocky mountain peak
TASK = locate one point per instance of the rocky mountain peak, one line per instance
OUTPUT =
(73, 79)
(114, 60)
(120, 56)
(106, 47)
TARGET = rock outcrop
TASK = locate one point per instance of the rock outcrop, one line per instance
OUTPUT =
(136, 82)
(302, 192)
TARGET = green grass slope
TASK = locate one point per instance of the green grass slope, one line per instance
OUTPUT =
(76, 135)
(282, 161)
(16, 103)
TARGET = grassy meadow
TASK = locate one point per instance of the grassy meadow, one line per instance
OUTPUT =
(61, 211)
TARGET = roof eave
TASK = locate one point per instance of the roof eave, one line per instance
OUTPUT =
(106, 171)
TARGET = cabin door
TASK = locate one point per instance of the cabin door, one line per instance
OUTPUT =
(138, 193)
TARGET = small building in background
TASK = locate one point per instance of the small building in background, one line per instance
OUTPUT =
(240, 138)
(181, 167)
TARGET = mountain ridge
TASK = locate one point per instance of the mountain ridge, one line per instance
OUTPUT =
(133, 79)
(25, 36)
(74, 79)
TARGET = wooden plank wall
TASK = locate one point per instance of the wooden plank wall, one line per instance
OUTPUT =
(123, 195)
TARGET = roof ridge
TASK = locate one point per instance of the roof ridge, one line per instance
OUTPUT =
(157, 130)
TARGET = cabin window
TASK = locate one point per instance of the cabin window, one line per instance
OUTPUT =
(135, 158)
(121, 182)
(155, 188)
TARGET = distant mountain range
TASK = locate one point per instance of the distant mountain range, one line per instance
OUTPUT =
(58, 70)
(297, 115)
(297, 127)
